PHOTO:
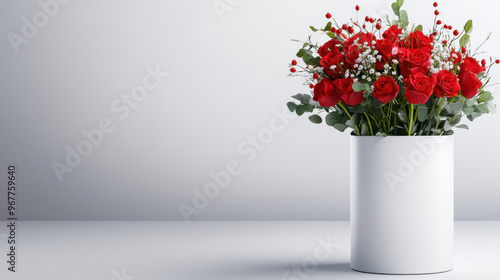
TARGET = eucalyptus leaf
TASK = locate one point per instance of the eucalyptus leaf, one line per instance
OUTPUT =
(358, 87)
(315, 119)
(400, 3)
(328, 26)
(291, 106)
(395, 8)
(340, 127)
(422, 113)
(485, 96)
(463, 126)
(334, 118)
(313, 28)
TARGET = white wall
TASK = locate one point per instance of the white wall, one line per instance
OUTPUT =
(227, 77)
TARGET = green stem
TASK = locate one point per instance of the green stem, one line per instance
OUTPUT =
(411, 119)
(439, 112)
(369, 123)
(350, 117)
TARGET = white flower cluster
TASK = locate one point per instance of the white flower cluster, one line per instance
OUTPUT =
(365, 63)
(440, 59)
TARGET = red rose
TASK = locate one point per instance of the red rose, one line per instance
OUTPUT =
(330, 60)
(469, 83)
(418, 88)
(328, 47)
(446, 84)
(343, 89)
(417, 40)
(470, 64)
(324, 93)
(392, 32)
(385, 89)
(351, 54)
(412, 61)
(362, 38)
(384, 47)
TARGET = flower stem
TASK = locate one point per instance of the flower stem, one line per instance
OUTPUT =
(350, 117)
(411, 120)
(439, 112)
(369, 123)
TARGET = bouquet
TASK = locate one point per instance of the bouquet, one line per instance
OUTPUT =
(383, 77)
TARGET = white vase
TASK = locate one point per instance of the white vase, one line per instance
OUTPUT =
(402, 204)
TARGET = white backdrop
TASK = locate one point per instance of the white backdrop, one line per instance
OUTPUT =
(183, 90)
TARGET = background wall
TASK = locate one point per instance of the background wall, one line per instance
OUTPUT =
(221, 108)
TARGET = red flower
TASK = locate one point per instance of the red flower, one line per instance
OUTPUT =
(469, 83)
(446, 84)
(343, 89)
(470, 64)
(329, 47)
(418, 88)
(385, 89)
(392, 32)
(412, 61)
(333, 59)
(324, 93)
(417, 40)
(351, 54)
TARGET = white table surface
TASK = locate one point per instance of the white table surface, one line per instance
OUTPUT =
(218, 250)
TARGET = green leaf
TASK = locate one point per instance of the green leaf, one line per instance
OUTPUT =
(422, 113)
(303, 98)
(473, 116)
(464, 40)
(334, 118)
(300, 110)
(402, 116)
(315, 119)
(463, 126)
(365, 130)
(454, 108)
(357, 109)
(291, 106)
(395, 8)
(468, 26)
(358, 87)
(311, 60)
(485, 96)
(403, 16)
(313, 29)
(330, 34)
(340, 127)
(447, 126)
(468, 110)
(328, 26)
(381, 134)
(302, 52)
(400, 3)
(419, 27)
(482, 108)
(455, 120)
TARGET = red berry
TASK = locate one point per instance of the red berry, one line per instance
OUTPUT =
(445, 26)
(456, 32)
(434, 33)
(483, 62)
(293, 70)
(328, 15)
(367, 18)
(364, 26)
(436, 12)
(344, 26)
(445, 42)
(339, 31)
(435, 4)
(464, 50)
(372, 20)
(350, 29)
(315, 76)
(497, 61)
(431, 37)
(450, 27)
(294, 62)
(357, 8)
(439, 22)
(311, 86)
(378, 26)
